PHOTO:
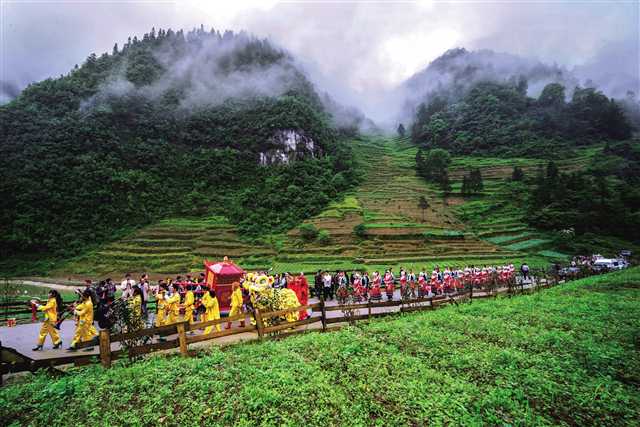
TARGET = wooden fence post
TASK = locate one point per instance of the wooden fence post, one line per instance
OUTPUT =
(1, 364)
(471, 293)
(369, 308)
(259, 323)
(182, 338)
(105, 348)
(323, 315)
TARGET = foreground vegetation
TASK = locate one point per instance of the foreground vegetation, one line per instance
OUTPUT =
(564, 356)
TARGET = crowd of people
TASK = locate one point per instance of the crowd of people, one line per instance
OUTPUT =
(374, 287)
(189, 298)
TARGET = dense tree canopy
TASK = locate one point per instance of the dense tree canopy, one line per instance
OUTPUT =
(499, 117)
(433, 165)
(601, 199)
(472, 183)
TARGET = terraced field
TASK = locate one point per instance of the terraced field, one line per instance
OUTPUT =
(169, 247)
(496, 214)
(398, 233)
(483, 229)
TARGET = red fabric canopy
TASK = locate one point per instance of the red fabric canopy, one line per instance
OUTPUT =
(225, 268)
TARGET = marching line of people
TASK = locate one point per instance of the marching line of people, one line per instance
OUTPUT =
(365, 287)
(192, 300)
(53, 316)
(177, 300)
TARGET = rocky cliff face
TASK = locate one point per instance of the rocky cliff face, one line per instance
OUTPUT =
(287, 145)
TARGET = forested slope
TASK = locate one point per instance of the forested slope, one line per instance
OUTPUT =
(173, 124)
(482, 110)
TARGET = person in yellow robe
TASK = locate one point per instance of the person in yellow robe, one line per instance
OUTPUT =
(189, 304)
(172, 304)
(212, 312)
(135, 306)
(161, 306)
(236, 303)
(50, 309)
(85, 331)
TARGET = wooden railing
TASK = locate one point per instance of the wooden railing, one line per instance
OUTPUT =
(263, 326)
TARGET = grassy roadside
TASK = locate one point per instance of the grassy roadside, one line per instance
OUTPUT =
(565, 356)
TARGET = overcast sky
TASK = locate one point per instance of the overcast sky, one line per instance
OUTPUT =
(355, 50)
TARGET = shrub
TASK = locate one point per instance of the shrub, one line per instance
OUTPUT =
(517, 174)
(323, 237)
(308, 231)
(360, 230)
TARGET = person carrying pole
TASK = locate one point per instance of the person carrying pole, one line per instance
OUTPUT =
(210, 302)
(85, 331)
(50, 309)
(236, 303)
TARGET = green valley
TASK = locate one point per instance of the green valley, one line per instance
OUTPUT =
(486, 228)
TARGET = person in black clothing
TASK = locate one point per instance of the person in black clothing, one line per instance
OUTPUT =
(88, 287)
(102, 292)
(111, 290)
(335, 282)
(366, 281)
(317, 284)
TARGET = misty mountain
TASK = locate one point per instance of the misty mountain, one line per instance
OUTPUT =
(486, 102)
(455, 72)
(500, 118)
(348, 120)
(173, 123)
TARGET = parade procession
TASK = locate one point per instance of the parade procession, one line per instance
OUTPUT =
(224, 290)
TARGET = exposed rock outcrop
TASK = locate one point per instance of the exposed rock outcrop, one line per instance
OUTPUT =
(287, 145)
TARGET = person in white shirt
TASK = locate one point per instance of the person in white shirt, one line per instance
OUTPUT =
(127, 286)
(327, 286)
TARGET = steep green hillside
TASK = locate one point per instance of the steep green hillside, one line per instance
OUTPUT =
(375, 226)
(563, 356)
(577, 162)
(384, 206)
(171, 125)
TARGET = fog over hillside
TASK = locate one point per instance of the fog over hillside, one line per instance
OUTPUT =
(221, 67)
(359, 53)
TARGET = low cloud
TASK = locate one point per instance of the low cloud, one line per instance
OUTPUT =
(200, 71)
(8, 90)
(455, 72)
(356, 51)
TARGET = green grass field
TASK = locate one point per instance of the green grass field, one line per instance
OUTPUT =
(10, 291)
(563, 356)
